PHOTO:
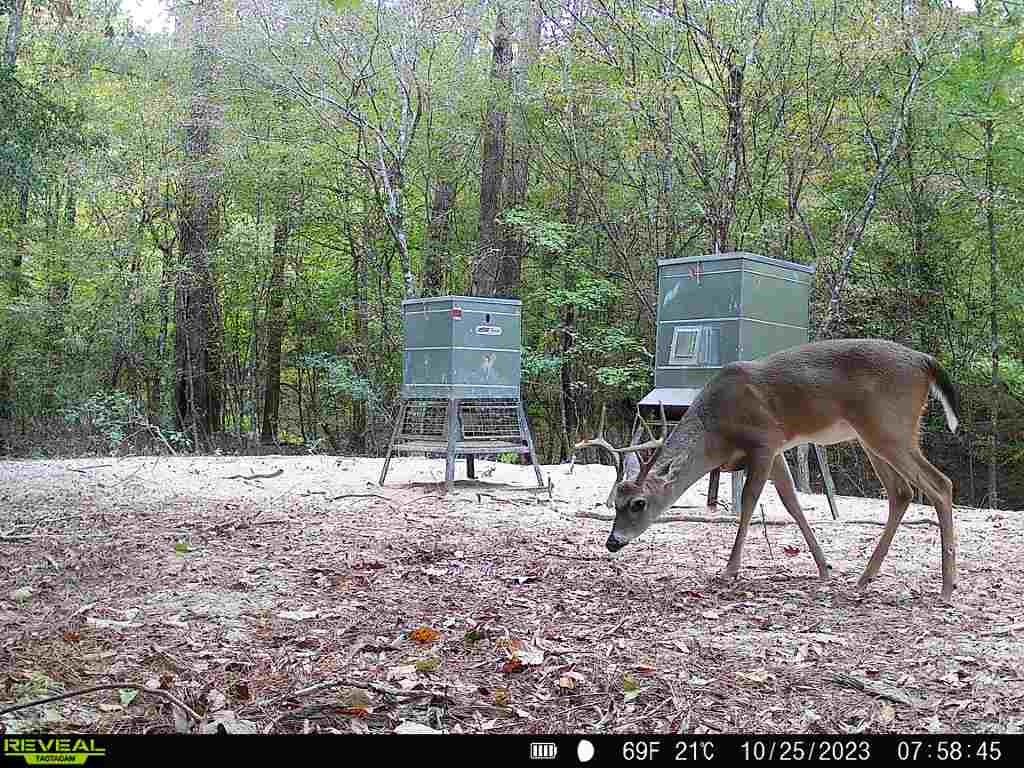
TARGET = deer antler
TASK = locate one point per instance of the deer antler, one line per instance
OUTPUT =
(656, 443)
(600, 442)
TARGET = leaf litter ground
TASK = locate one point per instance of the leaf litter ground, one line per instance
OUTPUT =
(292, 594)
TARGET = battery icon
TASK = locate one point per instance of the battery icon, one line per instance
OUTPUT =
(543, 750)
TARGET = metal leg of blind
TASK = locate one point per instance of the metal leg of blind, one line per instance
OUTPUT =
(394, 435)
(826, 475)
(453, 434)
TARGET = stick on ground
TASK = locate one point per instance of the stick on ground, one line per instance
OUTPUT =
(107, 687)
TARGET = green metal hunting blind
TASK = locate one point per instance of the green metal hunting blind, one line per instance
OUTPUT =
(460, 383)
(718, 309)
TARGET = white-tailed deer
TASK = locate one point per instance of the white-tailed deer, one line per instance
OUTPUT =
(825, 392)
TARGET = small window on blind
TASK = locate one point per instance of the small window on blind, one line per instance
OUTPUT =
(685, 342)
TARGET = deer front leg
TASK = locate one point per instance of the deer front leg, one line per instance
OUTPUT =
(758, 470)
(783, 480)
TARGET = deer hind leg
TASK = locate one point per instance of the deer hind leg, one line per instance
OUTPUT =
(900, 495)
(758, 470)
(784, 486)
(918, 471)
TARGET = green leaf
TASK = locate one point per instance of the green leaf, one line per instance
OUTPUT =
(344, 5)
(128, 695)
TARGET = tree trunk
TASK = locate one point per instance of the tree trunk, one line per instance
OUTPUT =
(567, 400)
(57, 297)
(487, 262)
(156, 387)
(360, 330)
(437, 258)
(993, 316)
(12, 41)
(735, 151)
(15, 15)
(437, 261)
(287, 216)
(198, 330)
(514, 250)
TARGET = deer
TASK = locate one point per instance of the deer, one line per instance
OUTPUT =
(824, 392)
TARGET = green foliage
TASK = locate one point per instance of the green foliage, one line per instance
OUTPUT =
(631, 379)
(626, 123)
(109, 414)
(537, 366)
(537, 229)
(341, 381)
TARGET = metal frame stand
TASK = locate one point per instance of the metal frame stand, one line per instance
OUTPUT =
(453, 441)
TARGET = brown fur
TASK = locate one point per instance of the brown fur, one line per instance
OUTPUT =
(868, 390)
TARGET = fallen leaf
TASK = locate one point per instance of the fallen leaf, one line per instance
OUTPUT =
(530, 657)
(407, 670)
(630, 684)
(355, 711)
(367, 566)
(72, 637)
(110, 708)
(108, 624)
(408, 726)
(128, 695)
(952, 679)
(24, 593)
(887, 714)
(791, 551)
(523, 579)
(710, 615)
(182, 724)
(298, 615)
(240, 691)
(227, 722)
(217, 700)
(425, 635)
(566, 682)
(182, 548)
(427, 665)
(511, 666)
(757, 676)
(501, 697)
(355, 698)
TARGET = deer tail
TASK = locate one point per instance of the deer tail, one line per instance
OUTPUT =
(941, 386)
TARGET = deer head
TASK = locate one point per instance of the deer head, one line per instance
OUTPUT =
(676, 462)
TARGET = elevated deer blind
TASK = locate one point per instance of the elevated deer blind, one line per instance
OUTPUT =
(460, 383)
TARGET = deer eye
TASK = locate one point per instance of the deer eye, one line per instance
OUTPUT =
(636, 506)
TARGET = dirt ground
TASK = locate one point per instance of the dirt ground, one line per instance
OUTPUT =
(314, 600)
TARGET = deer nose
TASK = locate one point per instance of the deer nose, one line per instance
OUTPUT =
(614, 543)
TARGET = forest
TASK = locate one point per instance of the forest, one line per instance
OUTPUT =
(208, 224)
